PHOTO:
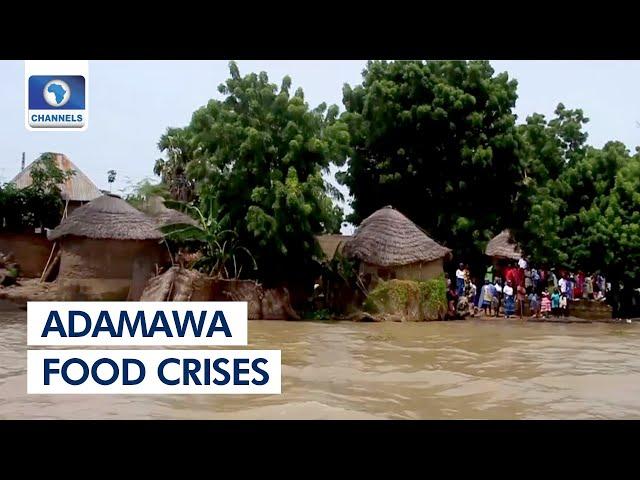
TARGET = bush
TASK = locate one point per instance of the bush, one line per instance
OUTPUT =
(413, 300)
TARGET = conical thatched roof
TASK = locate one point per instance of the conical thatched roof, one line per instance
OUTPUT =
(502, 246)
(331, 243)
(77, 188)
(163, 216)
(107, 217)
(387, 238)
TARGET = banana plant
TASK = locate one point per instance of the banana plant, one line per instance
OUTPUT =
(219, 247)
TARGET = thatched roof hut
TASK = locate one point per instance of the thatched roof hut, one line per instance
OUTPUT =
(107, 217)
(331, 244)
(108, 251)
(503, 246)
(390, 240)
(163, 216)
(78, 188)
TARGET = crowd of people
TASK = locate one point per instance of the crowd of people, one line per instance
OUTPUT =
(517, 289)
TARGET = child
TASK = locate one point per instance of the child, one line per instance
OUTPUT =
(486, 297)
(563, 305)
(473, 290)
(555, 302)
(534, 305)
(545, 304)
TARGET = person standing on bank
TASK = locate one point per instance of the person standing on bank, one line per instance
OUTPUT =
(497, 297)
(460, 280)
(521, 295)
(509, 300)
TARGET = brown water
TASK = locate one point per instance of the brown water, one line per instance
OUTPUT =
(456, 370)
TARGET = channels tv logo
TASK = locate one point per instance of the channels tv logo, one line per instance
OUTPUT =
(57, 101)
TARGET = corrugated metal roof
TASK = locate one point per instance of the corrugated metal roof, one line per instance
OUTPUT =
(77, 188)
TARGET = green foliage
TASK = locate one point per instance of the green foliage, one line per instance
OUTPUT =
(111, 176)
(38, 205)
(436, 140)
(257, 158)
(583, 203)
(177, 145)
(427, 300)
(323, 314)
(220, 248)
(143, 191)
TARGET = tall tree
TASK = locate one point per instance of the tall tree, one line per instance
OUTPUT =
(111, 177)
(437, 140)
(256, 160)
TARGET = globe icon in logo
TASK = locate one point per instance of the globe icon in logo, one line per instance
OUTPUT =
(56, 93)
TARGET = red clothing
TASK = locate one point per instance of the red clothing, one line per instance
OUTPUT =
(514, 275)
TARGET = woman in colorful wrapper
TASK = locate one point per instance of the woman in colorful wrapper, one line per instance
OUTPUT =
(509, 300)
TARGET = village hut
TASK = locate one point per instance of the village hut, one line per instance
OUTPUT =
(330, 244)
(32, 249)
(502, 247)
(163, 216)
(108, 250)
(77, 190)
(389, 245)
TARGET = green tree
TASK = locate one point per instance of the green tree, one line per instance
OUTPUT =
(547, 150)
(177, 144)
(111, 177)
(140, 193)
(436, 140)
(256, 161)
(40, 204)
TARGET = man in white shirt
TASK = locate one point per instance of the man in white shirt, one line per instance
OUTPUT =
(460, 280)
(522, 263)
(563, 285)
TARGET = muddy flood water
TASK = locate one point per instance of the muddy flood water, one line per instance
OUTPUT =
(502, 369)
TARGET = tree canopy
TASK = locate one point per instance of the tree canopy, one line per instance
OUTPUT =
(437, 140)
(256, 160)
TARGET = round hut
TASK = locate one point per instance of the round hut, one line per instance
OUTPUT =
(389, 245)
(108, 250)
(502, 247)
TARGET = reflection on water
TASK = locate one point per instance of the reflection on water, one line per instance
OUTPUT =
(491, 369)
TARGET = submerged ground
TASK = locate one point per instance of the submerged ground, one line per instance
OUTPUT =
(472, 369)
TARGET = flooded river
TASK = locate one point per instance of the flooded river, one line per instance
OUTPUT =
(442, 370)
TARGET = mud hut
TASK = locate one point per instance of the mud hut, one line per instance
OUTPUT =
(108, 251)
(389, 245)
(32, 249)
(503, 248)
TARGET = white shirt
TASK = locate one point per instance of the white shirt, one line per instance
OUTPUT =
(563, 285)
(460, 274)
(522, 263)
(498, 288)
(508, 290)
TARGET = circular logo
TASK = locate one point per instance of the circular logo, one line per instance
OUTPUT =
(56, 93)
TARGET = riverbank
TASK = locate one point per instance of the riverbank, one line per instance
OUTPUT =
(31, 289)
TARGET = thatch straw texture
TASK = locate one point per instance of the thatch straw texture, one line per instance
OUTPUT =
(331, 243)
(387, 238)
(164, 216)
(502, 246)
(107, 217)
